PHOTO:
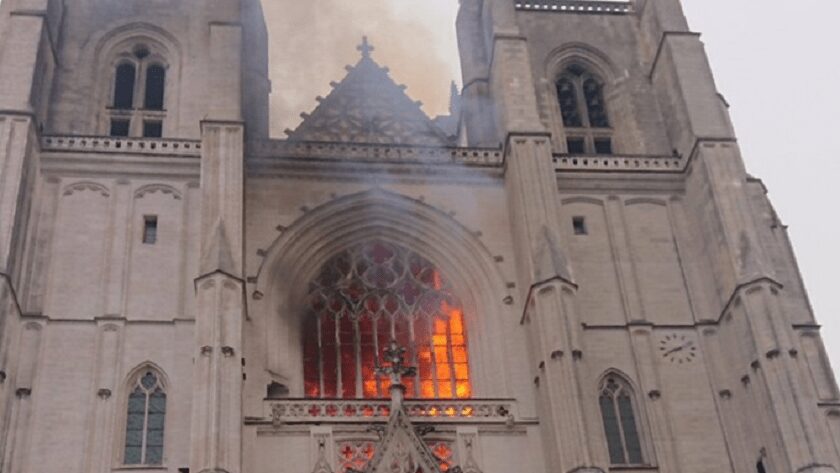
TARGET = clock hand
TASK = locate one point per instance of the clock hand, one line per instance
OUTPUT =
(679, 348)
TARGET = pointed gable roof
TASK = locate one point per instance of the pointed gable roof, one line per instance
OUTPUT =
(401, 449)
(369, 107)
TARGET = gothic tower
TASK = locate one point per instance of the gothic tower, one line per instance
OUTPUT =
(571, 273)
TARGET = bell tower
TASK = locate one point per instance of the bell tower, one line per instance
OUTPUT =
(131, 73)
(571, 89)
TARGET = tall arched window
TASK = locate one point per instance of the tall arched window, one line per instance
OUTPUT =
(368, 295)
(581, 98)
(620, 421)
(155, 84)
(140, 68)
(124, 78)
(144, 421)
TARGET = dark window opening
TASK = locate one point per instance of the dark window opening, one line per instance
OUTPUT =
(144, 425)
(576, 145)
(155, 84)
(593, 92)
(603, 146)
(124, 86)
(276, 390)
(760, 467)
(579, 225)
(620, 428)
(153, 129)
(183, 470)
(150, 226)
(567, 96)
(120, 127)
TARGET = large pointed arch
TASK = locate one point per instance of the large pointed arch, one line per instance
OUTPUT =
(299, 252)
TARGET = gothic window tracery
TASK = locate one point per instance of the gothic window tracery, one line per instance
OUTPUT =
(580, 95)
(144, 424)
(137, 103)
(620, 421)
(365, 297)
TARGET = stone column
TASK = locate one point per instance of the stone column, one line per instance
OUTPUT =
(216, 430)
(217, 373)
(26, 69)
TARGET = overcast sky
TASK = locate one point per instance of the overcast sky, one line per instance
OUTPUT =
(775, 62)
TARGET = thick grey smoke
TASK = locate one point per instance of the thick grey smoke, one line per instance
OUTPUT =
(310, 43)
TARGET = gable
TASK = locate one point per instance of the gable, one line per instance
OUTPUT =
(367, 106)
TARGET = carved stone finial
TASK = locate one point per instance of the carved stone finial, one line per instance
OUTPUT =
(365, 48)
(396, 370)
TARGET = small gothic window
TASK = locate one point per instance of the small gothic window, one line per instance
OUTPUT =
(367, 296)
(576, 145)
(579, 225)
(603, 145)
(620, 423)
(155, 84)
(760, 467)
(145, 420)
(150, 226)
(120, 127)
(152, 129)
(136, 106)
(124, 79)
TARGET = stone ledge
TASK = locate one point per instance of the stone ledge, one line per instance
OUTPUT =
(576, 6)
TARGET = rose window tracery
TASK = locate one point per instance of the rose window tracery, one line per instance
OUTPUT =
(367, 296)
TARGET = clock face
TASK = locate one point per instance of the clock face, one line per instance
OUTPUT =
(678, 348)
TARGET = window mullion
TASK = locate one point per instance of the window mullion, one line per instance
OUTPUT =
(583, 109)
(430, 322)
(376, 360)
(357, 346)
(621, 428)
(320, 356)
(451, 358)
(339, 388)
(145, 431)
(413, 354)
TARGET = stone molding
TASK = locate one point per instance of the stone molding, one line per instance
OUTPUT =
(444, 411)
(115, 145)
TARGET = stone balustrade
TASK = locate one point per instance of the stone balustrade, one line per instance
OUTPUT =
(618, 163)
(377, 410)
(373, 153)
(121, 145)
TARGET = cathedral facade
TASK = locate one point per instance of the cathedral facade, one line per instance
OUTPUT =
(572, 272)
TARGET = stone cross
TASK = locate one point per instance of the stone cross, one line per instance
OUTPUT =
(365, 48)
(396, 370)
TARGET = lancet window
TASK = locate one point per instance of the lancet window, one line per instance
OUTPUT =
(138, 94)
(582, 107)
(144, 424)
(367, 296)
(620, 422)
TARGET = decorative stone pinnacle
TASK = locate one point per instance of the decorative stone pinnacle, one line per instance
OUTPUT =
(365, 48)
(396, 370)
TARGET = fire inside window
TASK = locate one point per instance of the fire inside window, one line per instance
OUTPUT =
(364, 298)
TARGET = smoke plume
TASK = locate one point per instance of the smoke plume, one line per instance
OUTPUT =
(311, 41)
